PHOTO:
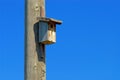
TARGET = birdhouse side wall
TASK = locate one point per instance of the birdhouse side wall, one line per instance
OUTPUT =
(43, 32)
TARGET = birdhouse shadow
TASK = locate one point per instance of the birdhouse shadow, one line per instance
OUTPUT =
(40, 48)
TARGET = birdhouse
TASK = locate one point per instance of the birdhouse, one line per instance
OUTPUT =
(47, 30)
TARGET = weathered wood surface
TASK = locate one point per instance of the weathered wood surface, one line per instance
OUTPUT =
(47, 33)
(35, 67)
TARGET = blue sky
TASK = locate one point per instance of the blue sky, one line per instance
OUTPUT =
(88, 41)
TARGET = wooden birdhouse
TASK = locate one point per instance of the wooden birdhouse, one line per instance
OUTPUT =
(47, 30)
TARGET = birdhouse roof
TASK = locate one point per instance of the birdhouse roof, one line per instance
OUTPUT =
(51, 20)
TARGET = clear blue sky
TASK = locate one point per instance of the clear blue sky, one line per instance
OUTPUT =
(88, 41)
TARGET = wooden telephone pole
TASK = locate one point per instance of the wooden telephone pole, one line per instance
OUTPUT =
(35, 67)
(39, 31)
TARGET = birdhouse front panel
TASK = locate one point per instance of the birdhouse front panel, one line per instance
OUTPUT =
(52, 32)
(47, 33)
